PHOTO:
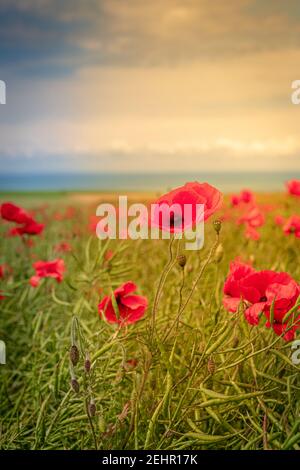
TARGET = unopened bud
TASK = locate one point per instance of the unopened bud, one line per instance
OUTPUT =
(75, 385)
(181, 260)
(92, 408)
(102, 424)
(217, 225)
(87, 363)
(235, 342)
(74, 354)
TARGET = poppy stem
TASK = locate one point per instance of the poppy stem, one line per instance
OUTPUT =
(204, 266)
(161, 284)
(176, 321)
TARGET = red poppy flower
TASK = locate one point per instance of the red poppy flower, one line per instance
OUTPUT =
(245, 197)
(293, 187)
(53, 269)
(252, 233)
(2, 270)
(63, 247)
(131, 307)
(253, 218)
(279, 220)
(5, 270)
(232, 287)
(190, 194)
(235, 200)
(28, 225)
(258, 290)
(292, 226)
(30, 228)
(13, 213)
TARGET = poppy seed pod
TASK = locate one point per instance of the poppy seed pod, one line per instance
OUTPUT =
(217, 226)
(87, 363)
(74, 354)
(92, 408)
(181, 259)
(75, 385)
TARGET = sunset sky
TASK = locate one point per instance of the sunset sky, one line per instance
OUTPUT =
(162, 85)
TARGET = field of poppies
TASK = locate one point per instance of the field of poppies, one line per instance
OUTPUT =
(139, 344)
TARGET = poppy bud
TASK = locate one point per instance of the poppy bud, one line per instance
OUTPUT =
(75, 385)
(181, 259)
(92, 408)
(211, 367)
(87, 363)
(102, 424)
(217, 225)
(235, 342)
(74, 354)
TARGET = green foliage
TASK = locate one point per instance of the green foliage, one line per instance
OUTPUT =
(196, 378)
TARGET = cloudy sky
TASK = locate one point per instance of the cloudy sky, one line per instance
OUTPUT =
(161, 85)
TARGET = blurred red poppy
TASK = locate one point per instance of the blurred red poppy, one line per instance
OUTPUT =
(28, 225)
(292, 226)
(246, 196)
(13, 213)
(53, 269)
(293, 187)
(62, 247)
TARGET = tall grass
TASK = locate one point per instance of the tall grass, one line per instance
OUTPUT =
(196, 377)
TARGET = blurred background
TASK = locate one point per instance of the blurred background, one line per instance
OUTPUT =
(124, 94)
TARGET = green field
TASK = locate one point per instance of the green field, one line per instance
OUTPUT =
(197, 377)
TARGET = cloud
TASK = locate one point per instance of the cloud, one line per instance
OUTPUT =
(126, 85)
(136, 33)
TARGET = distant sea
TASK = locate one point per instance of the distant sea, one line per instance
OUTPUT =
(226, 182)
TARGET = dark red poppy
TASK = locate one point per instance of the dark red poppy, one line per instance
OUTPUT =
(27, 225)
(190, 194)
(2, 270)
(131, 307)
(30, 228)
(13, 213)
(53, 269)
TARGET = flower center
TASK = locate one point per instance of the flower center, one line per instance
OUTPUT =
(263, 299)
